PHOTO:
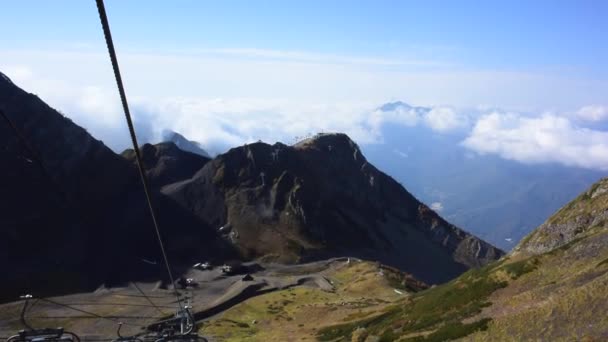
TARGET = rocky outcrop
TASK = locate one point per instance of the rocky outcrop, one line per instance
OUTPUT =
(577, 218)
(322, 198)
(166, 163)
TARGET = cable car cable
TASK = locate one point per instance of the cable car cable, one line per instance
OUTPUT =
(125, 106)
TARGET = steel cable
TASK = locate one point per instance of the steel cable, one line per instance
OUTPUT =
(125, 106)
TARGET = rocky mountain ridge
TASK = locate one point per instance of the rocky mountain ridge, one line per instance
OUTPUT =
(166, 163)
(82, 210)
(322, 198)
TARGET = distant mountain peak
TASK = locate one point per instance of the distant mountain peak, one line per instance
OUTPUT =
(391, 106)
(184, 144)
(400, 105)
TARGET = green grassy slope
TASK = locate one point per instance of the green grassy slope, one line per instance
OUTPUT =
(556, 295)
(361, 290)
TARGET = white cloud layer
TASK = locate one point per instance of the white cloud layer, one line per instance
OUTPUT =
(443, 119)
(440, 118)
(220, 123)
(593, 113)
(546, 138)
(306, 76)
(290, 95)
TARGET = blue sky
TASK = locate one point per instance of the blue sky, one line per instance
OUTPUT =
(227, 72)
(492, 34)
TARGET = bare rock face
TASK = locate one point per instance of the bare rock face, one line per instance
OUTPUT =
(586, 212)
(322, 198)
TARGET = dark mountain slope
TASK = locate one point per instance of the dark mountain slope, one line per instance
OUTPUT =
(71, 182)
(74, 215)
(322, 198)
(166, 163)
